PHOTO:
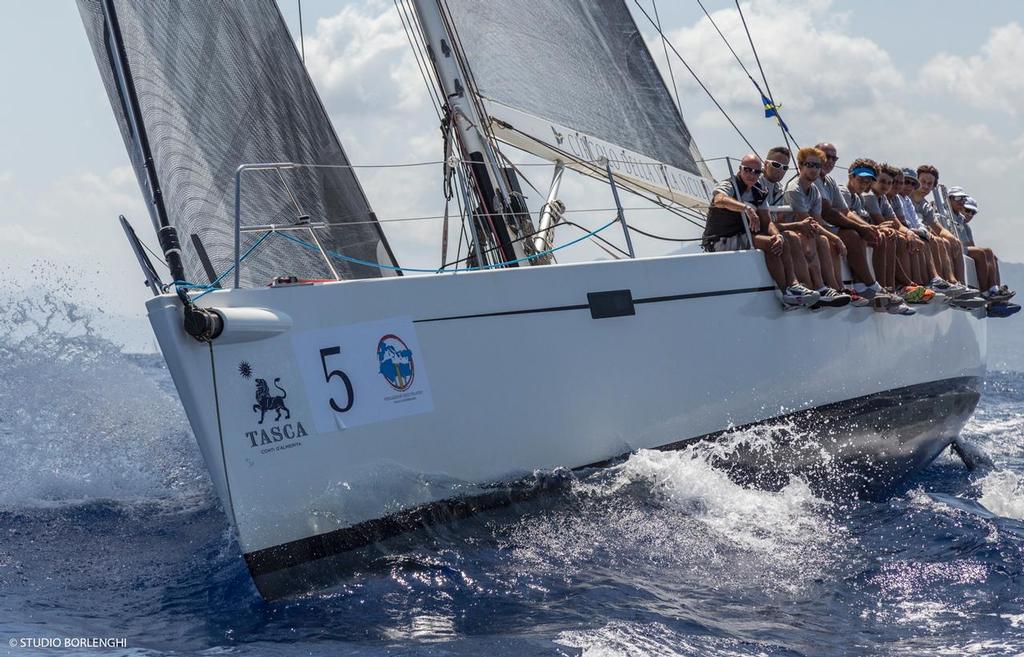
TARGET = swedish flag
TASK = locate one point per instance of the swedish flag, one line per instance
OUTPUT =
(771, 109)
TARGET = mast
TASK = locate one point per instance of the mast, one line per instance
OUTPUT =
(488, 180)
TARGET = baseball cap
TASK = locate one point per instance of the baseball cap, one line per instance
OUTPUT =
(970, 204)
(910, 173)
(955, 192)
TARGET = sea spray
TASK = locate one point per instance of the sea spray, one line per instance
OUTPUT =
(79, 418)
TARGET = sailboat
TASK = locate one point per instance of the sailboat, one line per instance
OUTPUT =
(338, 401)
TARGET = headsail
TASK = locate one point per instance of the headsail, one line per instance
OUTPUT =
(575, 77)
(220, 84)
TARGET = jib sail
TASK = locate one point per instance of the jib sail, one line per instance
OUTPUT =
(220, 84)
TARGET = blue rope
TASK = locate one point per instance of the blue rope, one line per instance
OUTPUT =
(367, 263)
(213, 284)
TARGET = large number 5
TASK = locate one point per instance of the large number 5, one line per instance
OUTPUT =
(334, 351)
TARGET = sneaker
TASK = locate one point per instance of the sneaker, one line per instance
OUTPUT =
(940, 285)
(998, 294)
(901, 308)
(832, 298)
(967, 303)
(798, 296)
(957, 290)
(1002, 309)
(914, 294)
(856, 299)
(869, 293)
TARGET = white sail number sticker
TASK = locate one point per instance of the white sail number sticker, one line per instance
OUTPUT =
(363, 373)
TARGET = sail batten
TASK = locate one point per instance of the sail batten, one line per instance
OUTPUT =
(581, 66)
(220, 85)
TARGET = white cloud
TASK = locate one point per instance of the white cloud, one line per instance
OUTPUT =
(988, 80)
(362, 62)
(821, 70)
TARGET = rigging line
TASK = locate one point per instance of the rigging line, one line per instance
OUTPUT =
(302, 35)
(662, 237)
(696, 77)
(411, 34)
(668, 61)
(726, 41)
(764, 78)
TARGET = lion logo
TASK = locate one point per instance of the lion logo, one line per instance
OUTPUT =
(268, 402)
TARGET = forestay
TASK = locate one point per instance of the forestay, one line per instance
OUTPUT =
(220, 84)
(568, 79)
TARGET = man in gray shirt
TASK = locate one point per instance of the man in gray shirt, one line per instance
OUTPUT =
(804, 218)
(855, 233)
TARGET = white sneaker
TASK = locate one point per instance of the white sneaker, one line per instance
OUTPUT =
(901, 308)
(798, 296)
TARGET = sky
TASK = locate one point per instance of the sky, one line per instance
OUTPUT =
(908, 82)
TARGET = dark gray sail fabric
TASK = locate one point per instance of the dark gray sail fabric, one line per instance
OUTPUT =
(220, 84)
(580, 63)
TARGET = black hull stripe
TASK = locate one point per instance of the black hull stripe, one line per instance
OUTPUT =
(584, 306)
(302, 551)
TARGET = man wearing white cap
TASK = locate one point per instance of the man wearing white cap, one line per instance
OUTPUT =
(985, 261)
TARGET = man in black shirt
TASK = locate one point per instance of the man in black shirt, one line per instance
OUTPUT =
(742, 198)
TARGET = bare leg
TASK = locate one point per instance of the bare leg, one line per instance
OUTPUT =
(980, 259)
(857, 256)
(956, 256)
(797, 258)
(993, 267)
(902, 261)
(775, 264)
(814, 265)
(828, 271)
(880, 258)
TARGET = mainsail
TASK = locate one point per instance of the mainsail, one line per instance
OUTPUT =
(220, 84)
(574, 78)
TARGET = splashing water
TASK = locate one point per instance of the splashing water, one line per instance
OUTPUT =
(79, 419)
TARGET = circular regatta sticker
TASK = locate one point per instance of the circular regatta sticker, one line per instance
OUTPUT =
(396, 363)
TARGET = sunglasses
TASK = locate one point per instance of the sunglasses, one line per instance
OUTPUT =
(832, 158)
(971, 212)
(777, 165)
(811, 165)
(756, 172)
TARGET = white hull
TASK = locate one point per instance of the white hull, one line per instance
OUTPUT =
(513, 375)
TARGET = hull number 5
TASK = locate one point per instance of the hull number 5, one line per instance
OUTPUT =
(349, 393)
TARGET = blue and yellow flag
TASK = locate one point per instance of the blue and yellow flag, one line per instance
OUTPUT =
(771, 109)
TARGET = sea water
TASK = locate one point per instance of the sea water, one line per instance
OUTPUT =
(112, 542)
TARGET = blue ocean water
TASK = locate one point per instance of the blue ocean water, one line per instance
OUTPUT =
(109, 529)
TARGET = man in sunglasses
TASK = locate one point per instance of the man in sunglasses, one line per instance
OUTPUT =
(776, 164)
(855, 233)
(909, 274)
(804, 199)
(886, 259)
(946, 251)
(742, 198)
(924, 271)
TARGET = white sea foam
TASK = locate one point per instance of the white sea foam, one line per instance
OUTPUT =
(622, 639)
(676, 510)
(1002, 493)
